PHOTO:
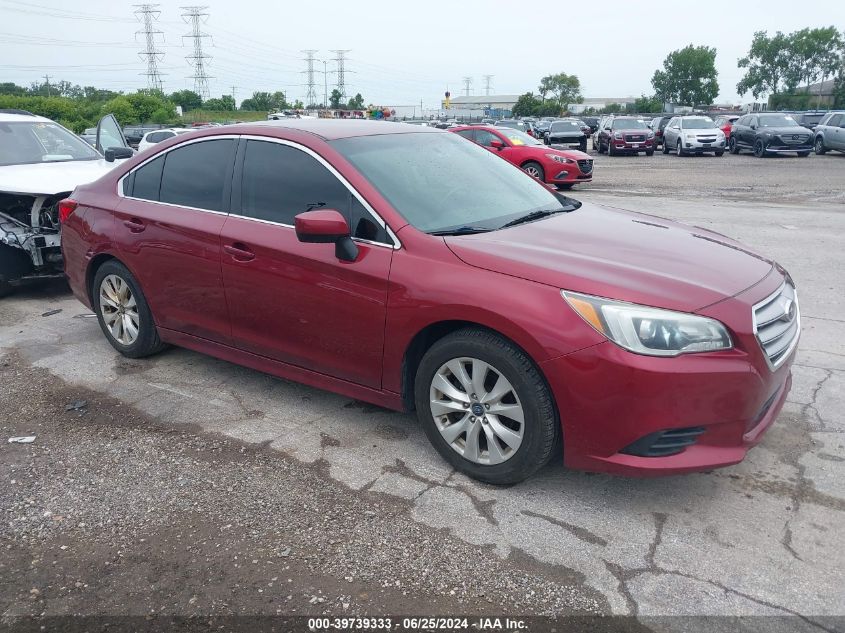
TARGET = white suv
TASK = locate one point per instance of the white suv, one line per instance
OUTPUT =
(693, 135)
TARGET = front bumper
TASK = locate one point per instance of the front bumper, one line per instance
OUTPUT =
(610, 399)
(777, 148)
(621, 145)
(699, 146)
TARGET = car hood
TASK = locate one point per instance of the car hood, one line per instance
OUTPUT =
(567, 133)
(791, 129)
(52, 178)
(621, 255)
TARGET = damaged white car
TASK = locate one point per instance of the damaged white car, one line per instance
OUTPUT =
(40, 164)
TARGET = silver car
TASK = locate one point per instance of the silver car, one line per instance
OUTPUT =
(693, 135)
(830, 133)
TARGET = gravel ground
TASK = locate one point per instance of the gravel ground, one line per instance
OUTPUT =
(111, 513)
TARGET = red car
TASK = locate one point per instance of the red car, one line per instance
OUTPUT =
(625, 135)
(403, 266)
(725, 122)
(562, 168)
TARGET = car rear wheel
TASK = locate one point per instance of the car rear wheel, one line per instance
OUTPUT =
(123, 312)
(485, 407)
(759, 150)
(665, 147)
(732, 146)
(535, 169)
(820, 148)
(649, 152)
(803, 154)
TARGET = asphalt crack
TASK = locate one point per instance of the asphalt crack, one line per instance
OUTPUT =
(576, 530)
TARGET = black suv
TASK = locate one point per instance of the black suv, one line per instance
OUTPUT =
(768, 133)
(658, 124)
(808, 120)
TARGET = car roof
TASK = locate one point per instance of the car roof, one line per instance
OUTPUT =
(6, 117)
(329, 129)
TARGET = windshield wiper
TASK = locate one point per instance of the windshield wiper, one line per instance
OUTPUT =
(535, 215)
(461, 230)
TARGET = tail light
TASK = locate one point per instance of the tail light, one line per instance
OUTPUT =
(66, 207)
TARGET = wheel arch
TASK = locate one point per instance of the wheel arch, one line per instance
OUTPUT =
(93, 266)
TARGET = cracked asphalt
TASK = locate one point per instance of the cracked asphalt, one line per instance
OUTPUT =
(185, 451)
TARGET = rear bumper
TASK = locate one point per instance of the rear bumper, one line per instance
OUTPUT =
(609, 399)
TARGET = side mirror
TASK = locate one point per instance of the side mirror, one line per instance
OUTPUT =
(753, 126)
(326, 226)
(117, 153)
(497, 144)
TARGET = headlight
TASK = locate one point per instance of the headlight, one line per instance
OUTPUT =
(690, 137)
(651, 134)
(617, 135)
(559, 159)
(650, 331)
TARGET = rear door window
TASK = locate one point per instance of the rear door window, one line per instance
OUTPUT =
(195, 174)
(146, 180)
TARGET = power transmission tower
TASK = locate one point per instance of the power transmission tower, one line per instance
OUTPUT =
(467, 83)
(147, 14)
(341, 72)
(488, 84)
(47, 80)
(197, 16)
(311, 91)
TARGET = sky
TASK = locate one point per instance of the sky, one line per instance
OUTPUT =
(400, 53)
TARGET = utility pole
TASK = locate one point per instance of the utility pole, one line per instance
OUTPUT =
(341, 72)
(234, 98)
(467, 83)
(488, 84)
(147, 14)
(325, 84)
(197, 15)
(47, 79)
(311, 92)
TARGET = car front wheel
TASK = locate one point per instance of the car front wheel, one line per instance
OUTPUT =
(759, 149)
(536, 170)
(123, 312)
(485, 407)
(820, 148)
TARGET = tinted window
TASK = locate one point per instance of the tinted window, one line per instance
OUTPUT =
(280, 182)
(194, 175)
(466, 134)
(147, 179)
(158, 137)
(485, 138)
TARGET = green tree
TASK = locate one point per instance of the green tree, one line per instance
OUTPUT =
(334, 99)
(122, 110)
(162, 115)
(188, 99)
(813, 54)
(562, 89)
(356, 102)
(9, 88)
(689, 77)
(526, 105)
(766, 64)
(648, 104)
(225, 102)
(297, 105)
(145, 102)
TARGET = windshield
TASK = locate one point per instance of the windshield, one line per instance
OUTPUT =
(518, 138)
(565, 126)
(698, 124)
(440, 182)
(25, 142)
(777, 120)
(628, 124)
(516, 124)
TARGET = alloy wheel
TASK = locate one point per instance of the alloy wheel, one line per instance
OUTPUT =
(531, 170)
(477, 411)
(119, 310)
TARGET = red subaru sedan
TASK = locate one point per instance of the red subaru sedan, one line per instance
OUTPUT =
(408, 268)
(562, 168)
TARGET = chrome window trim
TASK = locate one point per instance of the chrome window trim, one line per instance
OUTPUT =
(396, 243)
(789, 350)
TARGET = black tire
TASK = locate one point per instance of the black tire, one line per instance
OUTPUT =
(679, 149)
(759, 150)
(147, 342)
(566, 185)
(665, 147)
(733, 146)
(610, 150)
(719, 153)
(583, 146)
(540, 172)
(803, 154)
(541, 428)
(649, 152)
(819, 146)
(14, 264)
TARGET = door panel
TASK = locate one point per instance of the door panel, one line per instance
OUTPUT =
(299, 304)
(175, 254)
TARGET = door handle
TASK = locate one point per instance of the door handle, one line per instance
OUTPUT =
(135, 225)
(239, 252)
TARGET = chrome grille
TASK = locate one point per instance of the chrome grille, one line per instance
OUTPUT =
(777, 324)
(637, 138)
(795, 139)
(585, 165)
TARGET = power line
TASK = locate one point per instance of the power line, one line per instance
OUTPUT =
(311, 92)
(197, 15)
(488, 84)
(341, 72)
(467, 83)
(148, 13)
